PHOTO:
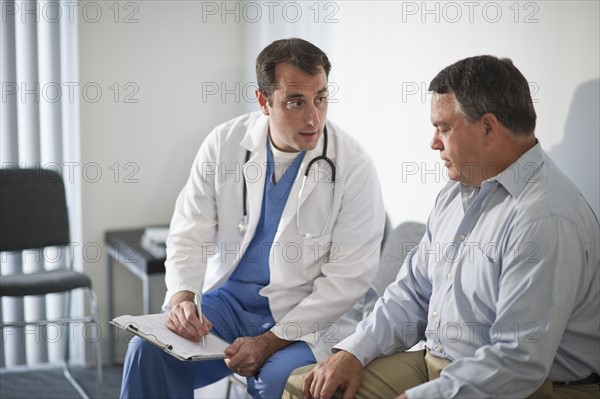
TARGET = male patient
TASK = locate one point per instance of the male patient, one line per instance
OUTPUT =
(504, 284)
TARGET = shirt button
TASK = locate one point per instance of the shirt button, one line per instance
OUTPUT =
(462, 237)
(449, 276)
(435, 314)
(437, 349)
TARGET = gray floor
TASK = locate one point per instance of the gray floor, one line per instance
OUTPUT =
(49, 383)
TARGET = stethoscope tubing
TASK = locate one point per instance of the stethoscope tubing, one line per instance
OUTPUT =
(243, 226)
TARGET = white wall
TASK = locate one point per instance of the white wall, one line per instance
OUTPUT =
(397, 48)
(385, 53)
(167, 57)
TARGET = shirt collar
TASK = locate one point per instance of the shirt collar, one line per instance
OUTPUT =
(468, 194)
(521, 172)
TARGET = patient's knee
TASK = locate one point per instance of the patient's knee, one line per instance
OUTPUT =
(294, 388)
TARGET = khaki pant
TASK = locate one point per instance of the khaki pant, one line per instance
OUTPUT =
(381, 379)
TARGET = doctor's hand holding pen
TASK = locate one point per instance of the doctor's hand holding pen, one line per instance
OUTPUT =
(184, 320)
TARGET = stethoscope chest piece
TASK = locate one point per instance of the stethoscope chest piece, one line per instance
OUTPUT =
(243, 226)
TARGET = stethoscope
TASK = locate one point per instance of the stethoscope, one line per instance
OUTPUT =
(243, 226)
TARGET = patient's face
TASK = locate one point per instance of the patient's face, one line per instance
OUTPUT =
(299, 108)
(461, 143)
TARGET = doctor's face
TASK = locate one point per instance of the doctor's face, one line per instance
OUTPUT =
(299, 108)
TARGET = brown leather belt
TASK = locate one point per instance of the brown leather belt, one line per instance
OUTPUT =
(591, 379)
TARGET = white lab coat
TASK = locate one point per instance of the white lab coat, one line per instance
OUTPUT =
(313, 281)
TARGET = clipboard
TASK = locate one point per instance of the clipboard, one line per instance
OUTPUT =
(153, 329)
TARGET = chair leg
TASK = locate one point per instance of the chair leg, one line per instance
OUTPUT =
(73, 381)
(66, 369)
(231, 382)
(228, 393)
(93, 318)
(97, 344)
(97, 349)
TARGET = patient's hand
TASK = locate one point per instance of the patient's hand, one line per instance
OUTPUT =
(183, 317)
(341, 370)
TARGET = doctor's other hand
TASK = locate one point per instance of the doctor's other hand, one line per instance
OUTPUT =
(340, 370)
(183, 317)
(246, 355)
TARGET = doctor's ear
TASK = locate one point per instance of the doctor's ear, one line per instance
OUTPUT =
(263, 101)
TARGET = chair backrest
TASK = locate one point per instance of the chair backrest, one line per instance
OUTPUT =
(33, 209)
(402, 239)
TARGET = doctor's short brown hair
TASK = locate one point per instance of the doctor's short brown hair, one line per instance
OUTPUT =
(298, 52)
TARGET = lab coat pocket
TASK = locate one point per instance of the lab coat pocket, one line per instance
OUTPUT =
(316, 251)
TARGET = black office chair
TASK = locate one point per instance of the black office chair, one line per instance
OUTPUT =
(33, 214)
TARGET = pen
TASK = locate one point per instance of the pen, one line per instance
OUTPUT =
(199, 310)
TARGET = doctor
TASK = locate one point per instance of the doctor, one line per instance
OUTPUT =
(277, 233)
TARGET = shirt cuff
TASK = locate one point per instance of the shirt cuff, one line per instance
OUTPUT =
(166, 306)
(361, 345)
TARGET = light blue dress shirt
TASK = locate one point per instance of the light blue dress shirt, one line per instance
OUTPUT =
(505, 283)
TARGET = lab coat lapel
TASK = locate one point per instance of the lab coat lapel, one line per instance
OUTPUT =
(255, 173)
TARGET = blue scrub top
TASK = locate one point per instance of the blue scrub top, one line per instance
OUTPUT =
(252, 273)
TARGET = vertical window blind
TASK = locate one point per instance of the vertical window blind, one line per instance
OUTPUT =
(39, 128)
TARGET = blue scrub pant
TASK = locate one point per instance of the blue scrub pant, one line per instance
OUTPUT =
(149, 372)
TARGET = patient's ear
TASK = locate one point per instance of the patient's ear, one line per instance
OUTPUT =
(490, 123)
(263, 100)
